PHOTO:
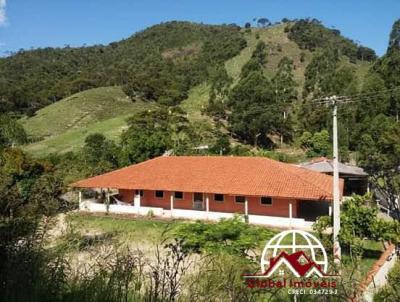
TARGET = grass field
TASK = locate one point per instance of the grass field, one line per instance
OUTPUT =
(140, 229)
(151, 230)
(80, 110)
(74, 139)
(63, 126)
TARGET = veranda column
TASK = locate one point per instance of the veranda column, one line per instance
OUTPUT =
(137, 201)
(108, 200)
(80, 200)
(172, 204)
(246, 210)
(290, 213)
(207, 205)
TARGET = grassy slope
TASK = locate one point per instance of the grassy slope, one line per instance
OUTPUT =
(80, 110)
(273, 37)
(74, 139)
(196, 102)
(65, 124)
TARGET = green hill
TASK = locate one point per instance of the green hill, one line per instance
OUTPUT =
(63, 125)
(162, 61)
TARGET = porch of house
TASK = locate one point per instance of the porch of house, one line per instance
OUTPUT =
(275, 212)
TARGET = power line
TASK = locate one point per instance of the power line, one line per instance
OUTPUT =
(366, 94)
(377, 92)
(355, 97)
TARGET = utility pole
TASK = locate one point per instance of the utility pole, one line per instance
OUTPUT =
(334, 101)
(336, 190)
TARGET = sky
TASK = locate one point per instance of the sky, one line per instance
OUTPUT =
(41, 23)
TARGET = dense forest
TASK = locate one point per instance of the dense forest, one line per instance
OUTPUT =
(160, 63)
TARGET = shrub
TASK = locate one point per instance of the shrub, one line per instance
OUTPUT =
(232, 236)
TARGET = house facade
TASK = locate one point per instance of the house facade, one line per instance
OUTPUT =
(213, 187)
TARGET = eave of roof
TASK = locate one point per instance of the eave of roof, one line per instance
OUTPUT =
(251, 176)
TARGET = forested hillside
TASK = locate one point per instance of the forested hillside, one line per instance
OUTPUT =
(161, 63)
(235, 90)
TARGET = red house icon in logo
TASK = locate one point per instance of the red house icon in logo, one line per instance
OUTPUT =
(297, 263)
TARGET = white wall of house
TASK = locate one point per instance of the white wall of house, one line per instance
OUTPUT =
(283, 222)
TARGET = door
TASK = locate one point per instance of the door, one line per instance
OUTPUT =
(198, 201)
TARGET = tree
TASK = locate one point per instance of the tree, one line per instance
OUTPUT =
(379, 104)
(284, 82)
(311, 34)
(257, 61)
(254, 110)
(247, 25)
(317, 144)
(28, 188)
(284, 86)
(360, 222)
(153, 132)
(221, 144)
(263, 22)
(324, 76)
(394, 39)
(220, 87)
(380, 156)
(319, 73)
(388, 68)
(11, 132)
(100, 154)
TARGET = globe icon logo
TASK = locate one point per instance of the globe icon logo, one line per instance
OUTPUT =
(293, 242)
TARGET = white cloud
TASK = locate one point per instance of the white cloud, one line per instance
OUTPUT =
(3, 18)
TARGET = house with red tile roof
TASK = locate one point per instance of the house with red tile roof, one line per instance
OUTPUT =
(213, 187)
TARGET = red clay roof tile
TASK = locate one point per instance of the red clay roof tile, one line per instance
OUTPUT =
(251, 176)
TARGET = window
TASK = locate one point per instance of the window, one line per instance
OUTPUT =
(240, 199)
(266, 201)
(139, 192)
(219, 197)
(160, 194)
(178, 195)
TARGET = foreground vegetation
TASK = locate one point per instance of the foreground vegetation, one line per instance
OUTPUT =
(391, 292)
